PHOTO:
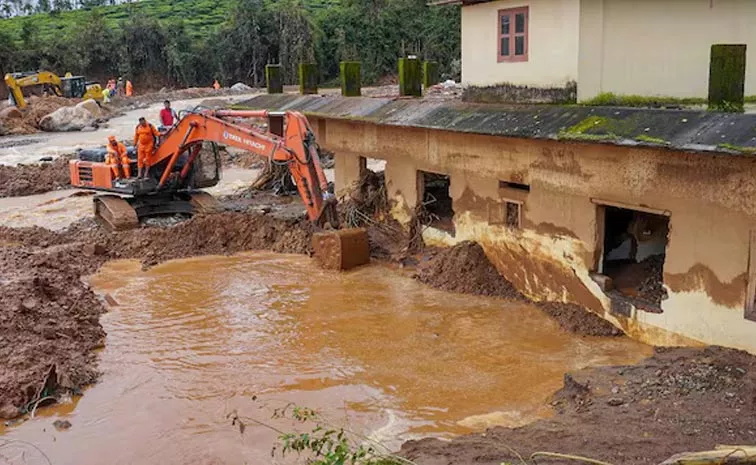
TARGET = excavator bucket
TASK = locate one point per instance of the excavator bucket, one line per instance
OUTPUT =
(341, 250)
(202, 202)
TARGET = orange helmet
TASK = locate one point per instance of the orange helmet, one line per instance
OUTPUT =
(112, 139)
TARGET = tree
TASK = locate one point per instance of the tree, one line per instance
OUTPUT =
(90, 47)
(142, 45)
(243, 46)
(43, 6)
(7, 53)
(294, 36)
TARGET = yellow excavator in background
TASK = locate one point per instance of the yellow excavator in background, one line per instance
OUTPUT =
(69, 87)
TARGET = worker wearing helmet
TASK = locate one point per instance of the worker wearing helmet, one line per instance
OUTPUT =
(144, 140)
(117, 158)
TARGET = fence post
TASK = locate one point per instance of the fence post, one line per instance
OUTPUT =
(410, 78)
(430, 73)
(351, 82)
(308, 78)
(727, 68)
(273, 79)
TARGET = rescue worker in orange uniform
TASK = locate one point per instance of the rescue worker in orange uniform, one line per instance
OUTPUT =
(216, 85)
(129, 88)
(144, 140)
(117, 158)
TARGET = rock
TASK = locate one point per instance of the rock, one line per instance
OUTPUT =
(10, 113)
(163, 90)
(46, 159)
(241, 87)
(615, 402)
(29, 303)
(91, 106)
(8, 411)
(95, 249)
(3, 130)
(67, 119)
(62, 425)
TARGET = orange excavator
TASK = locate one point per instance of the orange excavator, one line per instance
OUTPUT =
(179, 167)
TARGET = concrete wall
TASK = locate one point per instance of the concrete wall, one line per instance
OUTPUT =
(551, 256)
(659, 48)
(553, 47)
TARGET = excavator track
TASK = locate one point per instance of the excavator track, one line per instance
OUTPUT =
(115, 212)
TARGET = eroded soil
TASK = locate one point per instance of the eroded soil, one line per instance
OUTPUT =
(680, 399)
(49, 318)
(33, 179)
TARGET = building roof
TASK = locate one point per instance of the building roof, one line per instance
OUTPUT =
(686, 130)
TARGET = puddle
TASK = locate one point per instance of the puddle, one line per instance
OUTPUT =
(373, 350)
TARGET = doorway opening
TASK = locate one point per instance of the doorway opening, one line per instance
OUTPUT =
(634, 249)
(436, 201)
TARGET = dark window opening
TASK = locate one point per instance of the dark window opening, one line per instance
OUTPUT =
(635, 245)
(514, 185)
(436, 200)
(512, 214)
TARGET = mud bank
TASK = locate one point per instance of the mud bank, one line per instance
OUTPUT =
(465, 268)
(50, 319)
(678, 400)
(49, 325)
(33, 179)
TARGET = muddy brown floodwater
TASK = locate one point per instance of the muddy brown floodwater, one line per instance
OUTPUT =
(373, 350)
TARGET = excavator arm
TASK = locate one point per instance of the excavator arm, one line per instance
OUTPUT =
(296, 147)
(292, 143)
(18, 81)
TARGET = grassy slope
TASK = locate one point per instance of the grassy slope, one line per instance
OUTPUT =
(200, 16)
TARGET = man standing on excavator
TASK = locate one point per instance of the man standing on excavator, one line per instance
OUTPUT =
(118, 159)
(144, 141)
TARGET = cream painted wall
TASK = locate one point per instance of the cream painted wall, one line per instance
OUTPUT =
(659, 47)
(553, 48)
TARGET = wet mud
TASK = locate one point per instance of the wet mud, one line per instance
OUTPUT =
(26, 121)
(49, 318)
(21, 180)
(49, 326)
(680, 399)
(465, 268)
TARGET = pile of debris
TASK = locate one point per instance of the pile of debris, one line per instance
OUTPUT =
(33, 179)
(54, 114)
(464, 268)
(49, 327)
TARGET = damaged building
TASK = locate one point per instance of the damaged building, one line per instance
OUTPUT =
(645, 217)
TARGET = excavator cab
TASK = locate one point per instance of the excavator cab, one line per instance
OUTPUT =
(73, 87)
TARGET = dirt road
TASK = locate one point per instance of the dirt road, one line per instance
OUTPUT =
(30, 148)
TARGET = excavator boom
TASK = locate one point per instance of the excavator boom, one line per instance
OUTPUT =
(173, 161)
(296, 147)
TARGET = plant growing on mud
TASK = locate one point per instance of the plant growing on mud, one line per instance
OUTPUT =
(324, 443)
